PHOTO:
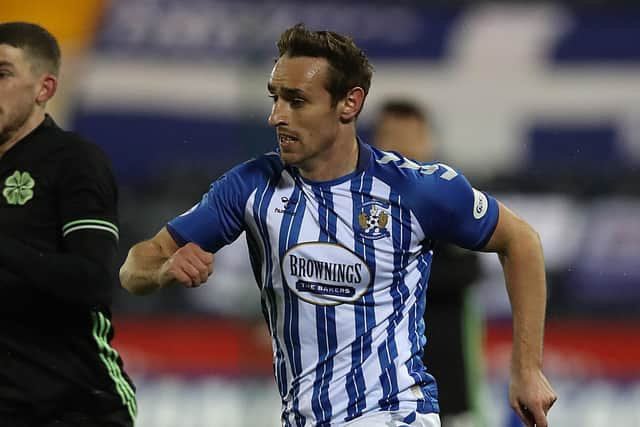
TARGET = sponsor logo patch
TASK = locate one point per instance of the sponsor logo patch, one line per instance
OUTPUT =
(325, 273)
(480, 204)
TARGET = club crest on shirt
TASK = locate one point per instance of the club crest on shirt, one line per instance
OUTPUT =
(18, 188)
(373, 220)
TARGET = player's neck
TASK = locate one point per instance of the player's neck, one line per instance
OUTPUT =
(339, 161)
(29, 125)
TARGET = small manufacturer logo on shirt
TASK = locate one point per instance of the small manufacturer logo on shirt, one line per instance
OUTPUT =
(18, 188)
(287, 206)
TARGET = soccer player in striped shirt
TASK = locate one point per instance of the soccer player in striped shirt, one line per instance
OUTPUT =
(58, 243)
(341, 237)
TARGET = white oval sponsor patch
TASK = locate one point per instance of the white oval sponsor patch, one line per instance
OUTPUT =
(480, 204)
(325, 273)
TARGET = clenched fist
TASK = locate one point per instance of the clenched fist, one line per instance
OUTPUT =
(531, 397)
(190, 266)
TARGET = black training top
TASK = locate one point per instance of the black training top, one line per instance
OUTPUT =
(58, 242)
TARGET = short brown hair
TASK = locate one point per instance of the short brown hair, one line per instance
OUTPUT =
(349, 66)
(39, 44)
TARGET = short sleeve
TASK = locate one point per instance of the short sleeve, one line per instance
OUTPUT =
(87, 192)
(218, 219)
(449, 209)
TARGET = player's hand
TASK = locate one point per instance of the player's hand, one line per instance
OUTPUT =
(531, 396)
(190, 266)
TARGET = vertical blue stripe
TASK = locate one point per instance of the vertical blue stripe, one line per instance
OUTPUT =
(321, 331)
(332, 345)
(356, 396)
(416, 312)
(330, 311)
(260, 207)
(415, 365)
(323, 213)
(285, 224)
(289, 234)
(295, 336)
(370, 258)
(317, 404)
(388, 352)
(258, 262)
(332, 217)
(325, 318)
(364, 309)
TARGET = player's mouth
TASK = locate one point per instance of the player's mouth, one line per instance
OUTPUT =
(286, 139)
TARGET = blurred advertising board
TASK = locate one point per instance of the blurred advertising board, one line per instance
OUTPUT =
(209, 372)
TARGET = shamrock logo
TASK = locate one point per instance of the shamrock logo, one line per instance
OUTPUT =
(18, 188)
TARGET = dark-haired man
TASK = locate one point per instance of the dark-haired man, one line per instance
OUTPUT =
(58, 240)
(340, 237)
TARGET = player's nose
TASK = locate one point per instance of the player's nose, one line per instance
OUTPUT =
(278, 114)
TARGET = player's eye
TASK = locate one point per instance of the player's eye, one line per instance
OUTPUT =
(297, 102)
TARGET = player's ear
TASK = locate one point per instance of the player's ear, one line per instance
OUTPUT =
(351, 104)
(47, 88)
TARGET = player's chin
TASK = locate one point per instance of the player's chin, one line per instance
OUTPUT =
(289, 158)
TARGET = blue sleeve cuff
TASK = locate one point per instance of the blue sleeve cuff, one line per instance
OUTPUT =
(181, 241)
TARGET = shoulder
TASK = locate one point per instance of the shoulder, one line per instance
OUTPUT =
(82, 167)
(69, 156)
(255, 171)
(75, 146)
(81, 159)
(267, 164)
(426, 188)
(237, 184)
(66, 149)
(408, 176)
(57, 144)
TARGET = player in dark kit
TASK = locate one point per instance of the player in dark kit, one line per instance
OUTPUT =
(58, 241)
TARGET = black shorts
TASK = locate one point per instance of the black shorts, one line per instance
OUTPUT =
(119, 418)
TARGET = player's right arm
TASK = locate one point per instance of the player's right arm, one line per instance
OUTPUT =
(182, 252)
(161, 262)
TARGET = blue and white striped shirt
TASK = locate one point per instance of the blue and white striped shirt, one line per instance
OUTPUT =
(343, 267)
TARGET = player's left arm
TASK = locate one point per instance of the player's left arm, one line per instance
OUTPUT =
(83, 271)
(451, 210)
(520, 253)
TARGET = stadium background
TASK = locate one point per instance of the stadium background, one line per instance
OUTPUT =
(538, 103)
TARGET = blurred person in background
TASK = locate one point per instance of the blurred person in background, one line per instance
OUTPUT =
(340, 237)
(453, 342)
(58, 242)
